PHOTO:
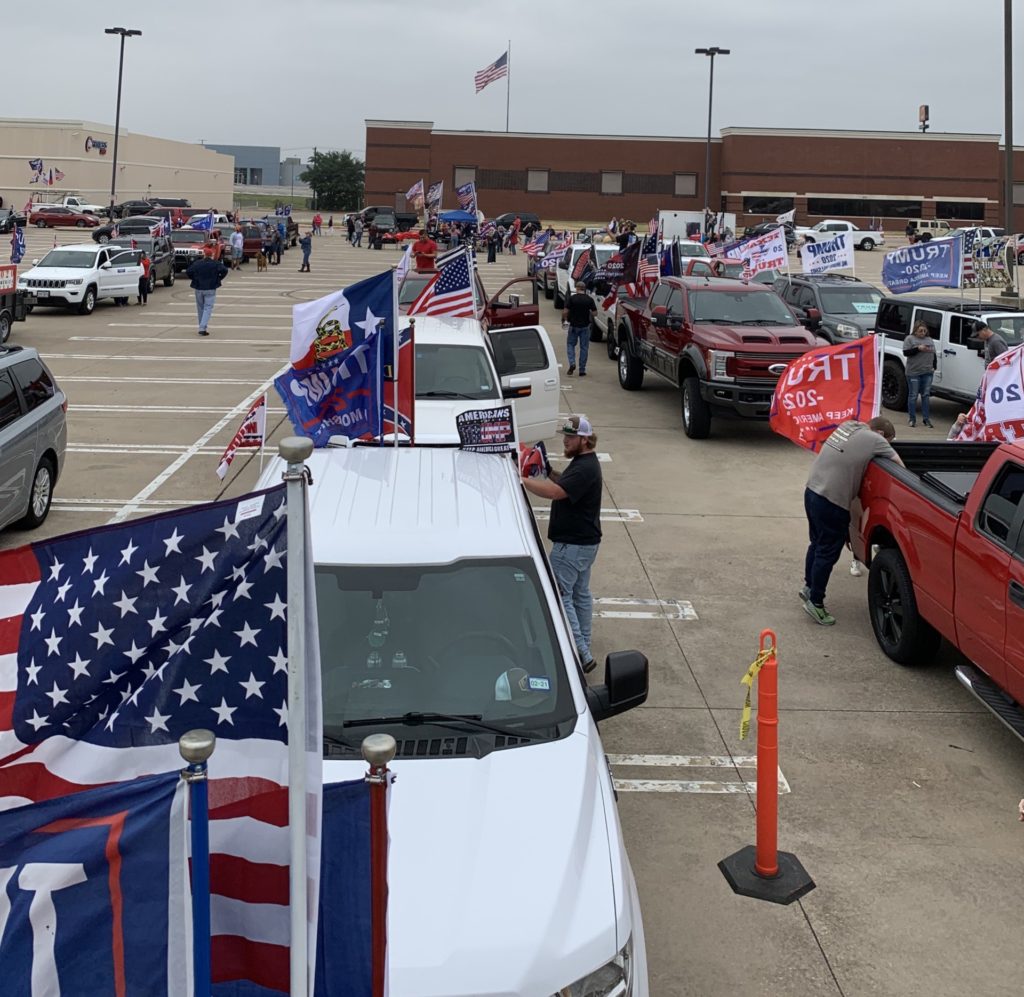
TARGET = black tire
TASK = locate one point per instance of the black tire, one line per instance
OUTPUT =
(559, 301)
(902, 633)
(695, 410)
(40, 497)
(169, 279)
(152, 282)
(40, 224)
(5, 327)
(612, 343)
(549, 291)
(88, 304)
(103, 238)
(79, 224)
(631, 368)
(925, 237)
(596, 332)
(867, 244)
(894, 385)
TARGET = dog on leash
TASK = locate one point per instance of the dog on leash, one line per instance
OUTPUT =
(261, 262)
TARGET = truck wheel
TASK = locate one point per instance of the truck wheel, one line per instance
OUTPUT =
(169, 279)
(696, 411)
(631, 368)
(40, 224)
(5, 327)
(899, 628)
(88, 302)
(868, 244)
(40, 497)
(613, 346)
(559, 301)
(103, 238)
(549, 291)
(894, 385)
(596, 332)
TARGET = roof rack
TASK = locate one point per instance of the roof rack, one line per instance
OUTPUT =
(829, 276)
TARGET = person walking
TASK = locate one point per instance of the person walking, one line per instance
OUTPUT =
(350, 228)
(147, 265)
(919, 350)
(277, 245)
(237, 247)
(357, 233)
(513, 240)
(206, 276)
(306, 245)
(577, 314)
(995, 345)
(493, 242)
(575, 527)
(330, 224)
(832, 485)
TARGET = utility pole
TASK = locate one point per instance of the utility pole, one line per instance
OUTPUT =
(1008, 111)
(124, 33)
(315, 205)
(711, 53)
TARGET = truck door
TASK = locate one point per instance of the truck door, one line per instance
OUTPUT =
(648, 334)
(17, 451)
(528, 352)
(514, 307)
(1011, 490)
(960, 367)
(985, 549)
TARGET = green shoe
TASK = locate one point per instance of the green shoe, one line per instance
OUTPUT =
(819, 614)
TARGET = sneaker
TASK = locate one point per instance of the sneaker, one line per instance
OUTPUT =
(589, 666)
(572, 369)
(583, 373)
(805, 594)
(819, 614)
(203, 332)
(912, 423)
(928, 423)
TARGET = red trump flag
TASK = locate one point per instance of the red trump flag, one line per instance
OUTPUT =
(825, 387)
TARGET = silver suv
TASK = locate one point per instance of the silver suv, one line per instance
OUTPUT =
(33, 436)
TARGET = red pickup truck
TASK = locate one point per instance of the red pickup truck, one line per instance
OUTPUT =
(944, 538)
(504, 310)
(721, 342)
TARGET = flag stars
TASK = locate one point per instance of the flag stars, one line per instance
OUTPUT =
(147, 574)
(272, 560)
(36, 721)
(206, 559)
(246, 635)
(52, 643)
(187, 692)
(126, 605)
(55, 570)
(252, 687)
(37, 620)
(57, 695)
(224, 712)
(80, 666)
(157, 721)
(173, 542)
(280, 661)
(282, 713)
(100, 584)
(126, 554)
(156, 624)
(33, 671)
(75, 614)
(135, 653)
(258, 543)
(181, 592)
(242, 591)
(89, 562)
(102, 636)
(277, 607)
(63, 591)
(218, 663)
(229, 529)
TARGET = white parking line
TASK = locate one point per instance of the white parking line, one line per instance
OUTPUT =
(160, 340)
(160, 410)
(689, 785)
(147, 358)
(182, 325)
(607, 515)
(653, 609)
(154, 380)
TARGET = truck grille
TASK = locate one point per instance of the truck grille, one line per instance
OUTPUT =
(40, 282)
(754, 366)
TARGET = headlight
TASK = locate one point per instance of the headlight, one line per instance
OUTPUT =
(613, 979)
(77, 280)
(719, 365)
(848, 331)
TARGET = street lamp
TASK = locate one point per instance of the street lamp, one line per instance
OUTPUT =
(1008, 112)
(711, 53)
(124, 33)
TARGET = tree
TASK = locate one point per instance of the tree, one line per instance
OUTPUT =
(336, 179)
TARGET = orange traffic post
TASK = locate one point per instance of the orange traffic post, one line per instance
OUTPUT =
(761, 870)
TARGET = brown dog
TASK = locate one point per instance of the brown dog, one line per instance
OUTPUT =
(261, 262)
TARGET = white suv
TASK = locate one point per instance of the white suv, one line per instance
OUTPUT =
(440, 624)
(79, 276)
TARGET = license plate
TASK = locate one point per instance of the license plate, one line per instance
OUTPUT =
(41, 294)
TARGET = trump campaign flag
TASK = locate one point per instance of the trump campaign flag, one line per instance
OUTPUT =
(415, 194)
(434, 193)
(825, 387)
(333, 386)
(116, 641)
(93, 890)
(204, 224)
(998, 414)
(466, 196)
(829, 254)
(926, 264)
(250, 436)
(763, 252)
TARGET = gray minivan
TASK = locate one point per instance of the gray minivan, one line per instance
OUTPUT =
(33, 437)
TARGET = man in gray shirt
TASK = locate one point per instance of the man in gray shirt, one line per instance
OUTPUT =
(833, 484)
(994, 346)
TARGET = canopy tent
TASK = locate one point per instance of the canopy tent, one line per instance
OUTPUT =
(457, 216)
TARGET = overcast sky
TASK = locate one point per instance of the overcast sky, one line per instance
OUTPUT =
(298, 73)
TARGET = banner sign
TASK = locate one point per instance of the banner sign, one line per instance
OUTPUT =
(925, 264)
(487, 430)
(832, 254)
(764, 252)
(8, 277)
(826, 387)
(998, 414)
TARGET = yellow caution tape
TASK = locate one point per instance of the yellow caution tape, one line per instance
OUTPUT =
(748, 681)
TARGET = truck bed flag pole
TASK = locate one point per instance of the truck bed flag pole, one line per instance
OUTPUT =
(508, 82)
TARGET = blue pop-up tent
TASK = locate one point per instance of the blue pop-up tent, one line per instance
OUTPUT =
(457, 216)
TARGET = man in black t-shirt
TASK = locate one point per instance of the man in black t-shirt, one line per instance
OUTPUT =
(578, 310)
(575, 527)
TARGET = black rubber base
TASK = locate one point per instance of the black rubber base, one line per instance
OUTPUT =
(791, 883)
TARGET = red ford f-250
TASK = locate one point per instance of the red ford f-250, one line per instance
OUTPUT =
(944, 538)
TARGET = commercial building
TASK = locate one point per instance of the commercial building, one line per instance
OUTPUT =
(255, 165)
(757, 173)
(78, 156)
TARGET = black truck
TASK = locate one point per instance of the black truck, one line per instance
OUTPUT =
(14, 304)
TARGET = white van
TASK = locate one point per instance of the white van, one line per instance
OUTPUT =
(440, 624)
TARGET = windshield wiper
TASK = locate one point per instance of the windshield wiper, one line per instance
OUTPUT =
(445, 394)
(455, 720)
(714, 321)
(763, 321)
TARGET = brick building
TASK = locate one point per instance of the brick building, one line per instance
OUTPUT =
(755, 172)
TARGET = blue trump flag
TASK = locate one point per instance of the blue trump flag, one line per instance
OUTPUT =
(926, 264)
(344, 935)
(333, 386)
(93, 892)
(204, 224)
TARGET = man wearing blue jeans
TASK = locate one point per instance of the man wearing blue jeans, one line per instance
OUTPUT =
(575, 527)
(206, 275)
(578, 311)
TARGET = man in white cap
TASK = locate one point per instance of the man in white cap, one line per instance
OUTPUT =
(575, 527)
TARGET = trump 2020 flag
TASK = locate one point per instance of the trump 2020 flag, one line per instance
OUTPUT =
(94, 892)
(926, 264)
(333, 386)
(116, 641)
(825, 387)
(250, 436)
(415, 194)
(998, 414)
(829, 254)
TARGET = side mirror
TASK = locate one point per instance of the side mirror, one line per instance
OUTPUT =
(105, 266)
(514, 300)
(659, 315)
(675, 322)
(517, 387)
(35, 263)
(626, 682)
(813, 316)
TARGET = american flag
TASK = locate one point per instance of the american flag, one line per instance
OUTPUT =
(58, 174)
(652, 226)
(495, 71)
(537, 245)
(415, 194)
(648, 269)
(450, 292)
(466, 196)
(116, 641)
(970, 274)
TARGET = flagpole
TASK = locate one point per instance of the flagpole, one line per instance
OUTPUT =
(508, 81)
(295, 450)
(396, 340)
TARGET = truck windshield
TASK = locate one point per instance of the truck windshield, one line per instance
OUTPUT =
(739, 308)
(448, 371)
(850, 300)
(68, 258)
(1010, 327)
(184, 236)
(473, 637)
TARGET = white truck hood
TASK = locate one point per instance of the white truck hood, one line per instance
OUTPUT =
(500, 876)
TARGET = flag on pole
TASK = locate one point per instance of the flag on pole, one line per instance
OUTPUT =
(466, 196)
(58, 174)
(450, 292)
(204, 224)
(434, 193)
(118, 640)
(970, 274)
(787, 217)
(404, 265)
(582, 265)
(537, 245)
(998, 414)
(415, 194)
(251, 434)
(495, 71)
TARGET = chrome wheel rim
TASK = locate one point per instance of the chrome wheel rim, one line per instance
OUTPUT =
(41, 492)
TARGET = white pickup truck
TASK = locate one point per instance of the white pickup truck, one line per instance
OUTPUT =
(77, 203)
(862, 239)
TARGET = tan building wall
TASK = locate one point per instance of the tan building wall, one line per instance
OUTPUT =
(146, 166)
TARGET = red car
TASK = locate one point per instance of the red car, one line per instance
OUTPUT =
(53, 215)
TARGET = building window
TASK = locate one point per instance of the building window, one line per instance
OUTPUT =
(577, 183)
(611, 182)
(766, 205)
(537, 181)
(973, 211)
(241, 175)
(647, 183)
(843, 207)
(501, 179)
(465, 174)
(1018, 193)
(686, 184)
(256, 177)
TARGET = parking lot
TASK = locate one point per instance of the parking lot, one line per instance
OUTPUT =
(899, 791)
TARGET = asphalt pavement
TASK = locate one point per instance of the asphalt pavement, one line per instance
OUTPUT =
(898, 792)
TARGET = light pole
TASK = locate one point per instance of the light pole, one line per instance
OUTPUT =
(124, 33)
(1008, 110)
(710, 53)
